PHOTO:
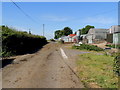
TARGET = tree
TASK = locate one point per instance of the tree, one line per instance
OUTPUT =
(86, 29)
(29, 32)
(67, 31)
(58, 34)
(75, 33)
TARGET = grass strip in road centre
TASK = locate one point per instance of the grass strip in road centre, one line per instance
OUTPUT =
(97, 71)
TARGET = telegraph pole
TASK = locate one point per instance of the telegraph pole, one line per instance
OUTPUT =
(115, 39)
(43, 28)
(29, 31)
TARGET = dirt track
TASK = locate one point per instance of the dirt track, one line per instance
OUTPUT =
(44, 69)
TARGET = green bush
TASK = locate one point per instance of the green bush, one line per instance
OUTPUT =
(117, 65)
(52, 40)
(87, 47)
(18, 42)
(61, 41)
(113, 46)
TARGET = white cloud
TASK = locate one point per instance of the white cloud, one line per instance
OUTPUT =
(100, 20)
(18, 28)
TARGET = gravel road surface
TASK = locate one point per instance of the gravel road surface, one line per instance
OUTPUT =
(51, 67)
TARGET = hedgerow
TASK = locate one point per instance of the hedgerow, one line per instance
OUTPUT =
(116, 65)
(18, 42)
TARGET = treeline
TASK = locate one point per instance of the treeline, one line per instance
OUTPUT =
(67, 30)
(18, 42)
(86, 29)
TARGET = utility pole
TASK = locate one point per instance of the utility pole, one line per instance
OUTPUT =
(29, 31)
(43, 29)
(81, 32)
(115, 36)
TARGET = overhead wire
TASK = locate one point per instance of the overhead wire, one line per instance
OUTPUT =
(105, 12)
(27, 15)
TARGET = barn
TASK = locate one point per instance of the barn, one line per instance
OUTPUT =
(97, 35)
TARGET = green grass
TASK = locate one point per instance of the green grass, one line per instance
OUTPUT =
(87, 47)
(98, 69)
(113, 46)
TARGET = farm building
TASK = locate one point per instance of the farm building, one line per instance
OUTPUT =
(69, 38)
(116, 38)
(113, 36)
(110, 38)
(72, 37)
(96, 35)
(114, 29)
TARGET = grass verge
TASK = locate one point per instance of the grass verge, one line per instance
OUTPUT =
(88, 47)
(97, 71)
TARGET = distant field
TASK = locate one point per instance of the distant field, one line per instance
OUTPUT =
(97, 70)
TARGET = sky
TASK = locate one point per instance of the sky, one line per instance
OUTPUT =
(61, 0)
(57, 15)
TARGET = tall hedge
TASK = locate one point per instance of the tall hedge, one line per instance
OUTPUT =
(17, 42)
(116, 65)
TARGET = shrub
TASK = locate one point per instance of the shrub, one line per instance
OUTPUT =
(113, 46)
(88, 47)
(116, 65)
(18, 42)
(52, 40)
(61, 41)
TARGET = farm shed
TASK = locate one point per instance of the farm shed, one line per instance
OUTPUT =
(114, 29)
(109, 38)
(116, 38)
(64, 38)
(69, 38)
(114, 35)
(96, 35)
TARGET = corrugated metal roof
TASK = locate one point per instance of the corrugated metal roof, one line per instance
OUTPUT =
(114, 29)
(94, 30)
(98, 33)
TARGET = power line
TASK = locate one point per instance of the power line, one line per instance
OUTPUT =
(27, 15)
